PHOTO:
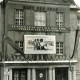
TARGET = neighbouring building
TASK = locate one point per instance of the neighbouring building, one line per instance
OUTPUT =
(37, 40)
(74, 23)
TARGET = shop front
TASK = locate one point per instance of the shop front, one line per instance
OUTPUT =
(38, 71)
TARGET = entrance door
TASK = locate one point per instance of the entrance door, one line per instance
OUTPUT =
(19, 74)
(40, 74)
(61, 74)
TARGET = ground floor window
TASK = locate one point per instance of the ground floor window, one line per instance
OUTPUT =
(19, 74)
(61, 74)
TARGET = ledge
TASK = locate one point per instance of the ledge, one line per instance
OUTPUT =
(59, 61)
(38, 28)
(15, 64)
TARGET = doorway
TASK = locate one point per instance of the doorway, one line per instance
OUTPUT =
(61, 74)
(41, 74)
(19, 74)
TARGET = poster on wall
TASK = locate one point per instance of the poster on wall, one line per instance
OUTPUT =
(39, 44)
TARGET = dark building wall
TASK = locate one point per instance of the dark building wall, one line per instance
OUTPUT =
(67, 38)
(1, 29)
(73, 25)
(29, 20)
(78, 64)
(29, 14)
(1, 35)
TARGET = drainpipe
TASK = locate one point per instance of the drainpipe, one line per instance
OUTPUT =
(76, 43)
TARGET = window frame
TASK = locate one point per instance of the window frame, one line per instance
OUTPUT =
(59, 48)
(19, 74)
(45, 19)
(20, 45)
(59, 25)
(18, 17)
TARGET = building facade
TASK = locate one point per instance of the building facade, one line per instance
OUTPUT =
(37, 41)
(74, 23)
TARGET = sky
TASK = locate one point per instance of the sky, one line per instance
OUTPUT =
(77, 2)
(1, 0)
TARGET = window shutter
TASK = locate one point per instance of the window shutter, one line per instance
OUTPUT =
(32, 18)
(27, 17)
(52, 18)
(48, 19)
(11, 18)
(67, 17)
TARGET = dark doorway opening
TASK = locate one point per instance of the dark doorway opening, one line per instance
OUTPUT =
(19, 74)
(61, 74)
(40, 74)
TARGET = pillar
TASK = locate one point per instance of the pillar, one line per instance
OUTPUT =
(10, 74)
(6, 73)
(69, 74)
(74, 73)
(29, 74)
(53, 75)
(33, 74)
(50, 73)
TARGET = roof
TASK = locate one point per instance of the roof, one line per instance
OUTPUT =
(46, 1)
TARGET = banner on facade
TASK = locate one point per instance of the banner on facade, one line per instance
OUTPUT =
(39, 44)
(13, 44)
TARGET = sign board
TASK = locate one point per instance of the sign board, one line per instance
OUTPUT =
(39, 44)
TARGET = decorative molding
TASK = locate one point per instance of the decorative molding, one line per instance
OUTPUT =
(40, 8)
(38, 28)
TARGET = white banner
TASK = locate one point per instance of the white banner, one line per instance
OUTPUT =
(39, 44)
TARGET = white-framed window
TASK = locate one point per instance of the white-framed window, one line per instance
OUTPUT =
(40, 19)
(59, 19)
(59, 47)
(20, 44)
(19, 17)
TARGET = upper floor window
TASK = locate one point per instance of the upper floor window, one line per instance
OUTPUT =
(19, 17)
(59, 47)
(40, 19)
(59, 19)
(20, 44)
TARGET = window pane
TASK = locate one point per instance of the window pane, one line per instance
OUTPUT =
(59, 19)
(59, 47)
(57, 51)
(19, 74)
(16, 75)
(19, 17)
(20, 44)
(23, 75)
(40, 19)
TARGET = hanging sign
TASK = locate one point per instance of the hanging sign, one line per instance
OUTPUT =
(39, 44)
